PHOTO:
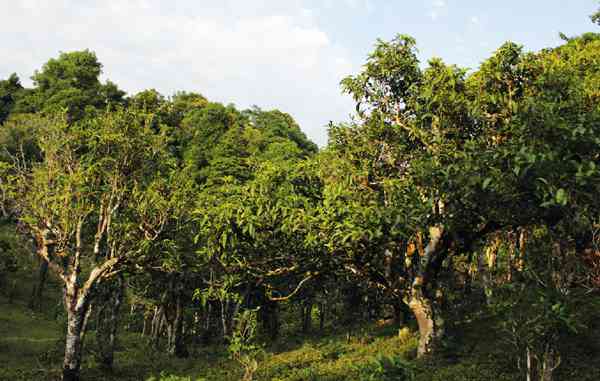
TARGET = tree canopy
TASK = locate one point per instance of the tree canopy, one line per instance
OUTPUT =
(450, 191)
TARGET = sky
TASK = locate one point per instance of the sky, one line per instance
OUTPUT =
(283, 54)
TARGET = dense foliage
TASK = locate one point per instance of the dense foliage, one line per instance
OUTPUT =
(452, 196)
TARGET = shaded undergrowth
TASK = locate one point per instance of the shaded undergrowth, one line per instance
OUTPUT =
(31, 347)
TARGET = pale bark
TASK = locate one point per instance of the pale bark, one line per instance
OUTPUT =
(430, 321)
(157, 325)
(77, 305)
(520, 261)
(529, 364)
(424, 301)
(176, 340)
(511, 257)
(224, 317)
(132, 313)
(77, 298)
(489, 267)
(211, 324)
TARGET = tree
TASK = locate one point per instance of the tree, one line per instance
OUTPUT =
(468, 155)
(243, 162)
(173, 265)
(278, 126)
(415, 131)
(9, 91)
(71, 82)
(79, 202)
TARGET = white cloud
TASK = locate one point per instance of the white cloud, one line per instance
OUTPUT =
(475, 20)
(268, 53)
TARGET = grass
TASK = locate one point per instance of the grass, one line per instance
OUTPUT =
(31, 348)
(336, 357)
(28, 343)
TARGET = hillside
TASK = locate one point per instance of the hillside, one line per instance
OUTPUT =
(31, 347)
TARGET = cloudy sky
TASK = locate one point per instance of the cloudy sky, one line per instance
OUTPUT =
(285, 54)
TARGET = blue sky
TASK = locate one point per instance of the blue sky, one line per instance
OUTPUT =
(463, 32)
(286, 54)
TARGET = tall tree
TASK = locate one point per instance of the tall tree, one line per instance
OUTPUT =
(79, 202)
(478, 154)
(71, 82)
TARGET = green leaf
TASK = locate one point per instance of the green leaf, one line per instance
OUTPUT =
(486, 182)
(561, 197)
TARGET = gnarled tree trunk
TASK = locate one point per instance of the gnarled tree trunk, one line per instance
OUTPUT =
(425, 298)
(430, 321)
(77, 305)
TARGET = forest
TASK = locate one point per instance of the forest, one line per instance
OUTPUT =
(450, 231)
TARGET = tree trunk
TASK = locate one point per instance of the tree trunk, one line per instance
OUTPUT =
(430, 322)
(322, 314)
(307, 307)
(224, 318)
(425, 297)
(77, 308)
(529, 365)
(208, 333)
(36, 295)
(147, 321)
(132, 313)
(488, 268)
(107, 320)
(77, 294)
(520, 260)
(157, 325)
(176, 341)
(550, 363)
(232, 311)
